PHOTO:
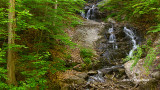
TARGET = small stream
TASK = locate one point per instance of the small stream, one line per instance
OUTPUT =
(130, 33)
(116, 43)
(90, 13)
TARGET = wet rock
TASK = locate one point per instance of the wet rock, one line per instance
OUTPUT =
(87, 34)
(93, 85)
(106, 70)
(111, 20)
(112, 53)
(156, 75)
(70, 78)
(111, 69)
(104, 40)
(121, 70)
(96, 83)
(138, 74)
(82, 75)
(100, 86)
(78, 67)
(75, 79)
(92, 72)
(64, 86)
(86, 7)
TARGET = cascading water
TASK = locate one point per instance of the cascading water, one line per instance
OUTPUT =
(111, 52)
(112, 37)
(115, 35)
(83, 14)
(98, 78)
(130, 33)
(90, 13)
(93, 12)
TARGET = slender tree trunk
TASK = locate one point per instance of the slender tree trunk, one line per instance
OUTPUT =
(11, 39)
(55, 7)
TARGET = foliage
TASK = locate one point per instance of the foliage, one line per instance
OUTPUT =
(38, 68)
(3, 22)
(144, 13)
(87, 55)
(40, 28)
(131, 9)
(49, 21)
(87, 61)
(158, 67)
(150, 57)
(155, 29)
(136, 56)
(3, 69)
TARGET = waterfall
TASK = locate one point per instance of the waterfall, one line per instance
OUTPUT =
(93, 9)
(98, 77)
(83, 14)
(130, 33)
(112, 38)
(90, 13)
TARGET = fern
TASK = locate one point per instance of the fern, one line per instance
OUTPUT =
(156, 29)
(150, 57)
(131, 9)
(3, 70)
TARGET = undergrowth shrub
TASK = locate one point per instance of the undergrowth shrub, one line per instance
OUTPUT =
(131, 9)
(86, 53)
(87, 56)
(3, 70)
(155, 29)
(150, 57)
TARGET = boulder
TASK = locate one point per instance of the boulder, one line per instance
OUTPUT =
(156, 75)
(111, 20)
(78, 67)
(70, 78)
(92, 72)
(137, 74)
(82, 75)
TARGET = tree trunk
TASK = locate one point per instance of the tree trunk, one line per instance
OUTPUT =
(11, 39)
(55, 7)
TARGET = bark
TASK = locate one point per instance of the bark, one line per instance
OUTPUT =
(55, 7)
(11, 39)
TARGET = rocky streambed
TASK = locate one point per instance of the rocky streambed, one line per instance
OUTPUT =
(111, 42)
(111, 73)
(110, 50)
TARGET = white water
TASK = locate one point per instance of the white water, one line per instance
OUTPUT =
(98, 78)
(83, 14)
(112, 38)
(93, 9)
(89, 14)
(130, 33)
